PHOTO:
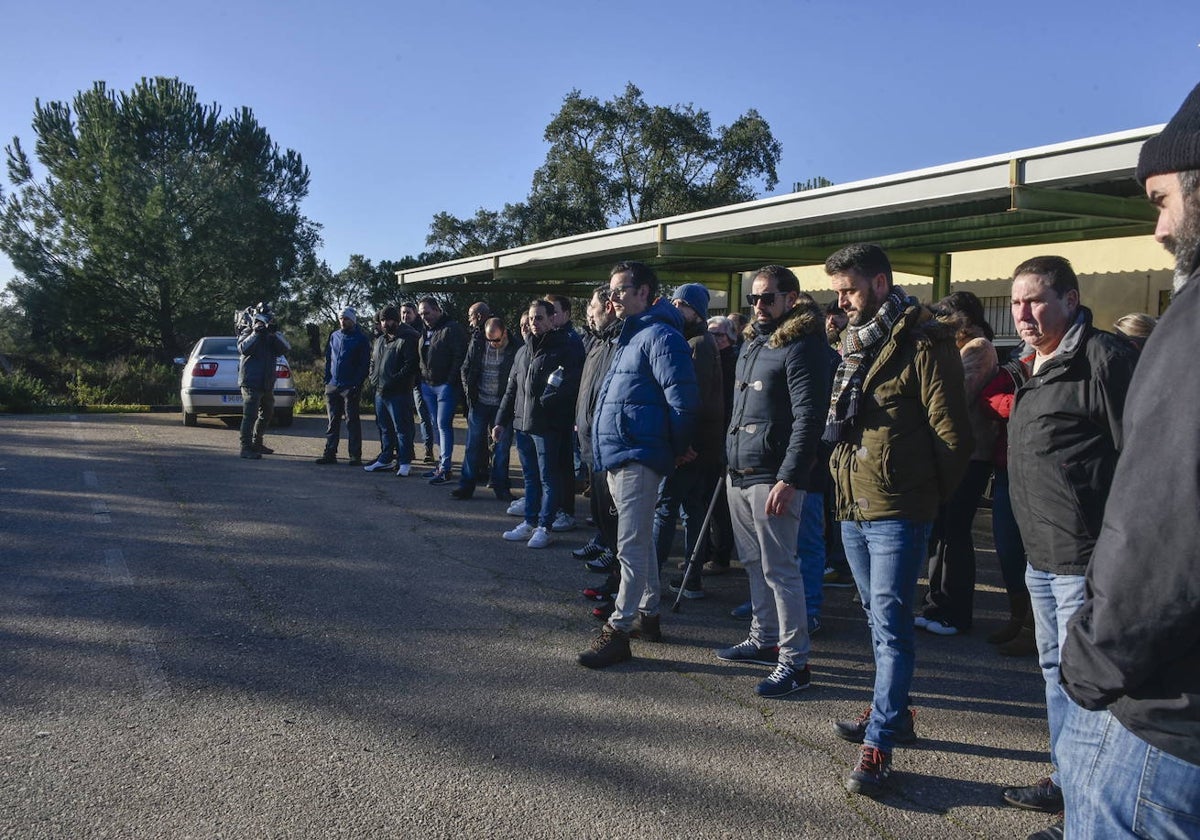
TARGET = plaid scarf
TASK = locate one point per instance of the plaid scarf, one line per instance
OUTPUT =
(859, 346)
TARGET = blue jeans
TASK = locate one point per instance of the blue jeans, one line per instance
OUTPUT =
(475, 463)
(394, 416)
(810, 551)
(1054, 599)
(426, 421)
(1115, 785)
(441, 400)
(541, 476)
(886, 557)
(1010, 550)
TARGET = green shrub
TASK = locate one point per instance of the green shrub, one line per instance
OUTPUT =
(22, 393)
(311, 404)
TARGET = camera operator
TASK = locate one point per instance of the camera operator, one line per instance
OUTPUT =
(259, 344)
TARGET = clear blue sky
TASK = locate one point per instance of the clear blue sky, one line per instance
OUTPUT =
(403, 109)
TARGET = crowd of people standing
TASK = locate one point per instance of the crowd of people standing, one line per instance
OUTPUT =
(875, 426)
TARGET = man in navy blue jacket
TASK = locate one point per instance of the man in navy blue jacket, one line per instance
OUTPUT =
(347, 363)
(644, 421)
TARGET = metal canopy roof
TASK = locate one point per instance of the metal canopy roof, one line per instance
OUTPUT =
(1080, 190)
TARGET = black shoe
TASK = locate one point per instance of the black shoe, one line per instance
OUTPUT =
(1044, 796)
(504, 495)
(248, 452)
(589, 551)
(603, 564)
(693, 591)
(1054, 831)
(609, 648)
(647, 628)
(855, 730)
(599, 594)
(429, 459)
(326, 459)
(461, 493)
(838, 579)
(354, 462)
(869, 777)
(263, 449)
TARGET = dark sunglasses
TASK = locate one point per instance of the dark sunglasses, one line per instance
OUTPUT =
(768, 299)
(494, 340)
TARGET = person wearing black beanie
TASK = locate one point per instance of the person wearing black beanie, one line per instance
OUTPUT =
(1130, 743)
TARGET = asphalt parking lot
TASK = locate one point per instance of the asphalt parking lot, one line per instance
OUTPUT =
(200, 646)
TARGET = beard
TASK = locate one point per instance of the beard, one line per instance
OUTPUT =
(1184, 243)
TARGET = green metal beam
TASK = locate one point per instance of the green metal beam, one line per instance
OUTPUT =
(752, 256)
(1086, 205)
(941, 277)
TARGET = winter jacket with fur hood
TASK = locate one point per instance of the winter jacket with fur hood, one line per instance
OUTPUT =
(780, 401)
(912, 441)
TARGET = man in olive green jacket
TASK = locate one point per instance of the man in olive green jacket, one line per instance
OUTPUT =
(901, 442)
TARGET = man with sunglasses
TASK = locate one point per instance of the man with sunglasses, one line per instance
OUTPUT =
(643, 426)
(780, 397)
(484, 378)
(901, 442)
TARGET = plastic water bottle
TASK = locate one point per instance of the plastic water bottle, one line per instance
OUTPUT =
(556, 378)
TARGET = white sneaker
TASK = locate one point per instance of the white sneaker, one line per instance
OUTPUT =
(540, 538)
(403, 470)
(380, 466)
(516, 507)
(564, 522)
(519, 534)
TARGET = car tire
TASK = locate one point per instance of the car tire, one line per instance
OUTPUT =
(283, 417)
(189, 419)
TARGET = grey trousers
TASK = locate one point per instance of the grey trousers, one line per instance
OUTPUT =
(766, 545)
(634, 489)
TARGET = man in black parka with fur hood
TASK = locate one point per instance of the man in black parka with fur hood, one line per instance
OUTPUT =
(780, 399)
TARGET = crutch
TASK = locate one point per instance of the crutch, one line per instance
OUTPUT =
(700, 538)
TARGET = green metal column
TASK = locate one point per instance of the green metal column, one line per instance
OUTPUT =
(941, 277)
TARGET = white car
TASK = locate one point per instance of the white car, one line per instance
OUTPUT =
(209, 384)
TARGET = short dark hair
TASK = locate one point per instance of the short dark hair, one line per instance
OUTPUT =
(561, 301)
(389, 313)
(641, 274)
(964, 310)
(832, 308)
(602, 293)
(542, 304)
(785, 280)
(864, 259)
(430, 301)
(1056, 270)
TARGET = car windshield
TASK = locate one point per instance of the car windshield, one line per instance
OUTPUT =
(218, 347)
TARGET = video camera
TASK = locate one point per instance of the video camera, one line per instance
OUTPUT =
(243, 320)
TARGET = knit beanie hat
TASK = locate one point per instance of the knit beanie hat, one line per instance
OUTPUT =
(1177, 148)
(695, 296)
(350, 314)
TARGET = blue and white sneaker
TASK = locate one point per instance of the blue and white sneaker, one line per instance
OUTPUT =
(784, 680)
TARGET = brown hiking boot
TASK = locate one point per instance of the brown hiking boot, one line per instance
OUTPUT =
(609, 648)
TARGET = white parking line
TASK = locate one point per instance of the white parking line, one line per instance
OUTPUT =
(147, 666)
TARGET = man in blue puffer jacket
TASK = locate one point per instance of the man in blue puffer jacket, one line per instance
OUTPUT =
(644, 420)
